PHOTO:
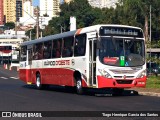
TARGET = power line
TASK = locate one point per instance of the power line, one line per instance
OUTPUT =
(37, 20)
(25, 12)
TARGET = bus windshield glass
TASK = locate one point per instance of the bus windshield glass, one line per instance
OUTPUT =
(15, 56)
(122, 51)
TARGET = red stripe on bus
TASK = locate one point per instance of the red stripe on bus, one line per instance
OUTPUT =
(6, 51)
(53, 76)
(78, 31)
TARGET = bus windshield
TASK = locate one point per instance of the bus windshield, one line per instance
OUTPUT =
(122, 51)
(15, 56)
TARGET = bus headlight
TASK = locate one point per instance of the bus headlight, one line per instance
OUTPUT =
(104, 73)
(142, 74)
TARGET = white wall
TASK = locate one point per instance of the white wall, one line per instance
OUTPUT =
(28, 9)
(46, 6)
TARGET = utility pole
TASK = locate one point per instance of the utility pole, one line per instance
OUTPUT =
(30, 34)
(150, 37)
(16, 28)
(37, 22)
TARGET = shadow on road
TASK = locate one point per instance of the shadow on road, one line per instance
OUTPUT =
(88, 92)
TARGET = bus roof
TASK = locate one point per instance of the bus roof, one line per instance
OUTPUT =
(47, 38)
(72, 33)
(6, 44)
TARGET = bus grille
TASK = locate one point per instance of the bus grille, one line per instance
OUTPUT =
(124, 81)
(123, 76)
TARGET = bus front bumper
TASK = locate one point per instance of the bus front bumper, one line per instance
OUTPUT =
(120, 83)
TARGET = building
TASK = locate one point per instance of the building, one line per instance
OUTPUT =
(103, 3)
(28, 0)
(67, 1)
(99, 3)
(9, 10)
(19, 9)
(1, 13)
(28, 9)
(28, 17)
(49, 8)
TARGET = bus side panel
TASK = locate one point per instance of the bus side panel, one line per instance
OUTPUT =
(55, 76)
(24, 75)
(66, 77)
(51, 76)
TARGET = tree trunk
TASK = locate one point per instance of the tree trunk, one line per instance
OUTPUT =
(146, 28)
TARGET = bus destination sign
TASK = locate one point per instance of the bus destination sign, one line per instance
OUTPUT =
(121, 31)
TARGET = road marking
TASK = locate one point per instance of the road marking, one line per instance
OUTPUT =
(3, 77)
(14, 77)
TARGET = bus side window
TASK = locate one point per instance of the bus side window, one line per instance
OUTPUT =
(56, 48)
(35, 54)
(23, 53)
(38, 51)
(68, 47)
(47, 49)
(53, 49)
(80, 45)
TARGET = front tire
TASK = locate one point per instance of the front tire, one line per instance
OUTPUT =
(38, 82)
(79, 87)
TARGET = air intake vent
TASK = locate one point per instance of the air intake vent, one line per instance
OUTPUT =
(124, 81)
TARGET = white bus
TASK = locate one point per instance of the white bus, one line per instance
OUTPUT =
(5, 53)
(100, 56)
(15, 57)
(9, 54)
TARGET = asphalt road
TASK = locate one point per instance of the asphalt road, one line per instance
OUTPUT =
(15, 95)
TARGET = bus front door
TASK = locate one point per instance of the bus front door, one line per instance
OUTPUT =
(29, 63)
(92, 62)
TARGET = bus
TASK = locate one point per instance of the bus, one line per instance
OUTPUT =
(15, 57)
(5, 53)
(10, 57)
(9, 54)
(100, 56)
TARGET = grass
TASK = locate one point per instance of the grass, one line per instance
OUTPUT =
(153, 82)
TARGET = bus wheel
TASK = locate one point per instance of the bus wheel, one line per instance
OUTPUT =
(38, 82)
(79, 87)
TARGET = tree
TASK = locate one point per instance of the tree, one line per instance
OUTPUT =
(33, 33)
(127, 12)
(141, 8)
(10, 25)
(82, 12)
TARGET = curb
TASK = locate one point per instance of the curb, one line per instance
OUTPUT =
(149, 94)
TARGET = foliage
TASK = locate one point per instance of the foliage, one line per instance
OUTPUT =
(10, 25)
(153, 44)
(33, 33)
(127, 12)
(153, 82)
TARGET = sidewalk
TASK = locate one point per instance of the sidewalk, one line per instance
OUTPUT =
(148, 91)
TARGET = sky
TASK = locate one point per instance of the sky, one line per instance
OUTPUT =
(36, 2)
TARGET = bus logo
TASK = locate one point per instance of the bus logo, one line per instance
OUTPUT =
(124, 77)
(73, 62)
